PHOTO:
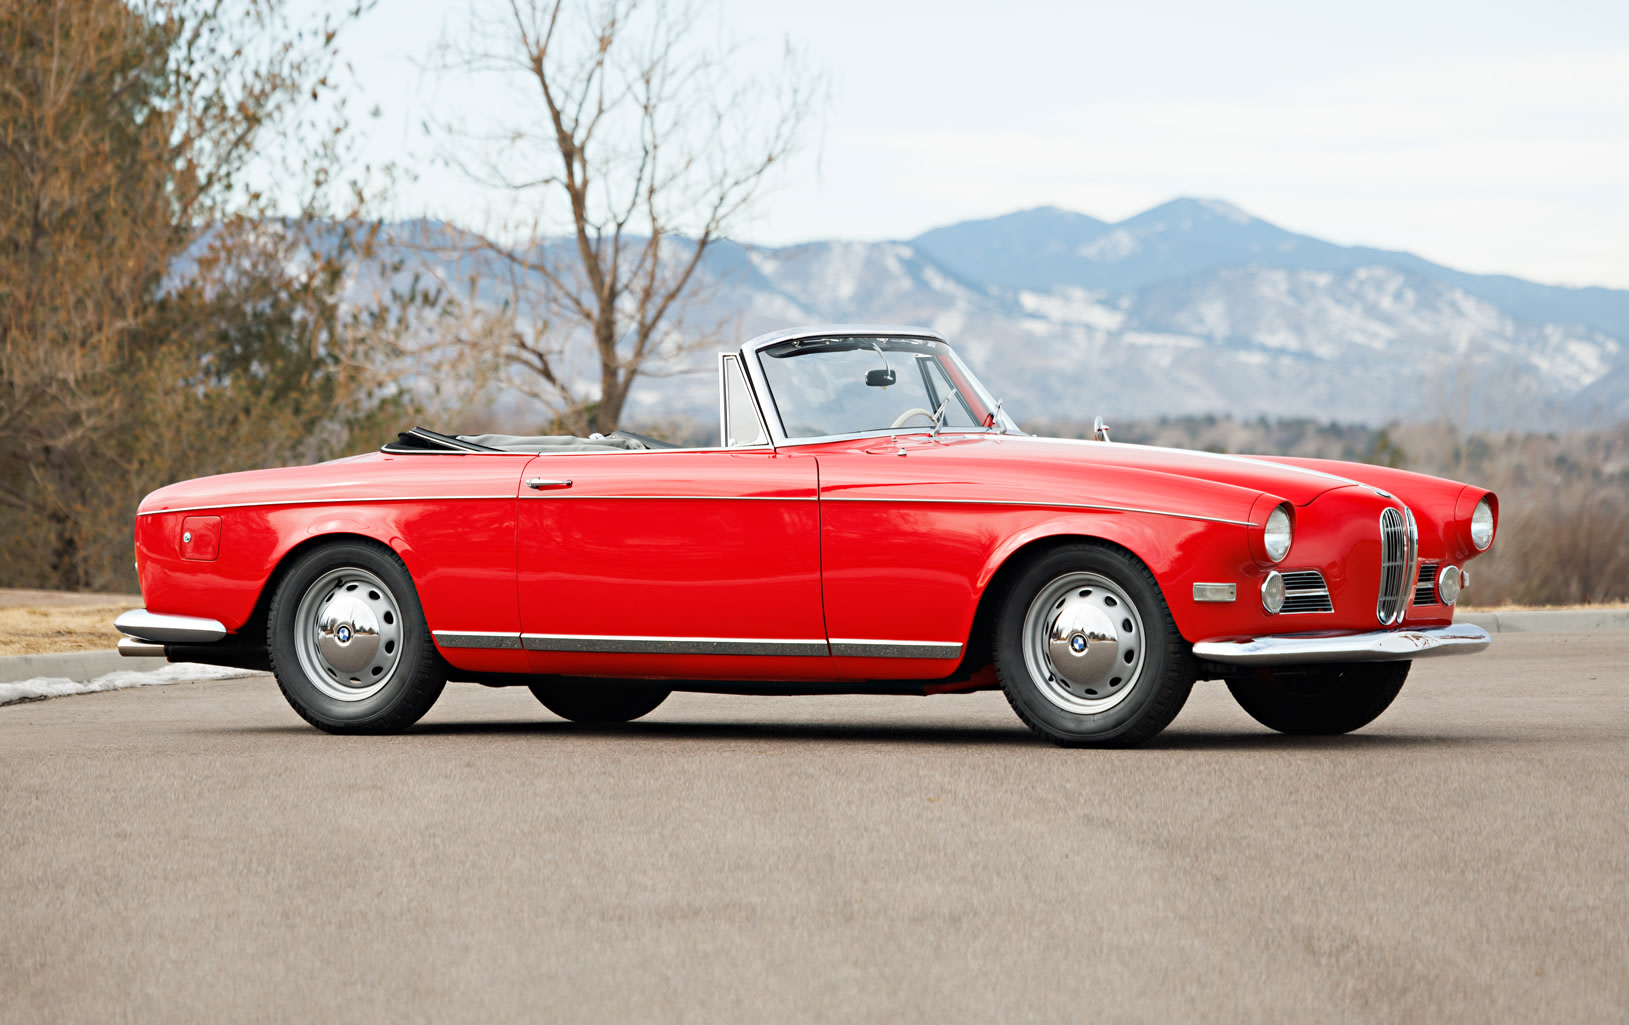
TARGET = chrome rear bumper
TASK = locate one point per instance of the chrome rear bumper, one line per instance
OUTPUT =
(1379, 646)
(161, 629)
(132, 648)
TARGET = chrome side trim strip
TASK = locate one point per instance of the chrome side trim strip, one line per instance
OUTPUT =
(164, 629)
(852, 647)
(613, 644)
(1020, 503)
(387, 450)
(696, 498)
(679, 498)
(1378, 646)
(477, 639)
(333, 500)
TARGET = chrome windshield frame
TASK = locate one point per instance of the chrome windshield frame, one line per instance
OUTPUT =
(772, 414)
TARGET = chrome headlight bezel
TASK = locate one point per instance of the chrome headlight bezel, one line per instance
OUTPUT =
(1482, 524)
(1273, 592)
(1450, 582)
(1278, 533)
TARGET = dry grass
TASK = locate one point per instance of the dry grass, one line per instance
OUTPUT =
(40, 631)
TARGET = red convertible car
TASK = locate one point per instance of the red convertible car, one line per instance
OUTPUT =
(870, 522)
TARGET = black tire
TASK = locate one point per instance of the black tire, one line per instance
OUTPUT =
(403, 674)
(1089, 704)
(599, 701)
(1321, 700)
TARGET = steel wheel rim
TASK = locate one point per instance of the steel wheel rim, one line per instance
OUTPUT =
(348, 634)
(1087, 622)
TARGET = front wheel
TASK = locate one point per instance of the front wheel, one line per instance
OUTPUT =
(1321, 700)
(348, 641)
(1087, 652)
(599, 701)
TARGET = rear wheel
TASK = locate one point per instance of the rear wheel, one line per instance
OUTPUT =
(348, 641)
(599, 701)
(1321, 700)
(1086, 649)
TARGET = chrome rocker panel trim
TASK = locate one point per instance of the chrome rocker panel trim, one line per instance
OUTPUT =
(1378, 646)
(615, 644)
(162, 629)
(849, 647)
(618, 644)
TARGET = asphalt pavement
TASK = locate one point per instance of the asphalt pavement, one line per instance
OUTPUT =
(195, 852)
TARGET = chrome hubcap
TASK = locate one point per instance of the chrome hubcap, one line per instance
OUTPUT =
(348, 634)
(1083, 643)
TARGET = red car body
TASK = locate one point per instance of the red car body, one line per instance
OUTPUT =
(847, 539)
(853, 563)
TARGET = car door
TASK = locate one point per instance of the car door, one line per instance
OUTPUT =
(902, 555)
(700, 564)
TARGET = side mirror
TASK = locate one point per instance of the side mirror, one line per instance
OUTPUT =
(879, 378)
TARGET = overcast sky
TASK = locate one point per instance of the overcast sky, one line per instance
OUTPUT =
(1491, 136)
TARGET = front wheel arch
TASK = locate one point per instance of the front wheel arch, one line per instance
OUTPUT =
(1160, 659)
(978, 647)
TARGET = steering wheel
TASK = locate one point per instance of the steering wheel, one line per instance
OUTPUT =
(899, 421)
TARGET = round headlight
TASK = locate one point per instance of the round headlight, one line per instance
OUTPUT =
(1448, 583)
(1482, 524)
(1272, 593)
(1276, 536)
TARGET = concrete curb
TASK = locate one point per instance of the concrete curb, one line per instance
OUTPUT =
(1547, 620)
(79, 666)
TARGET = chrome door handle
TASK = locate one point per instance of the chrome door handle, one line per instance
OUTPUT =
(539, 484)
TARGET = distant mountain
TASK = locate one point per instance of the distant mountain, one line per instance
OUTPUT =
(1192, 307)
(1190, 236)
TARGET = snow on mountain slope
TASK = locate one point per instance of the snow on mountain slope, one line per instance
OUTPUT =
(1184, 237)
(1366, 344)
(1192, 307)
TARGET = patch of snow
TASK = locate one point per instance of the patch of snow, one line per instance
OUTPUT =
(1225, 209)
(1111, 246)
(57, 687)
(1072, 306)
(950, 322)
(1161, 340)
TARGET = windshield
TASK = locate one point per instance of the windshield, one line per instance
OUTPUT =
(832, 386)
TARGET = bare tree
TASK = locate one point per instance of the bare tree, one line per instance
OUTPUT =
(635, 148)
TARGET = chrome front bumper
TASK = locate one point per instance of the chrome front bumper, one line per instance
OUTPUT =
(1379, 646)
(156, 628)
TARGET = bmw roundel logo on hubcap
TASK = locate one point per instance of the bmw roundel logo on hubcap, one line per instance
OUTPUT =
(1077, 643)
(344, 634)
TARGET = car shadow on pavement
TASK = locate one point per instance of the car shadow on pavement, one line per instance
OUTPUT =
(914, 733)
(902, 733)
(1268, 741)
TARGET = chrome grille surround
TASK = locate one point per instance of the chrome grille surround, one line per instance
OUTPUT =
(1305, 591)
(1425, 592)
(1399, 545)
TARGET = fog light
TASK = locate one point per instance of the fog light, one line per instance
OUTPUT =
(1448, 584)
(1272, 593)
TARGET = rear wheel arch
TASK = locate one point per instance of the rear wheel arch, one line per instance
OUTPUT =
(381, 629)
(296, 551)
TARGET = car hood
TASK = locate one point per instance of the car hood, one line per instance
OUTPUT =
(1297, 484)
